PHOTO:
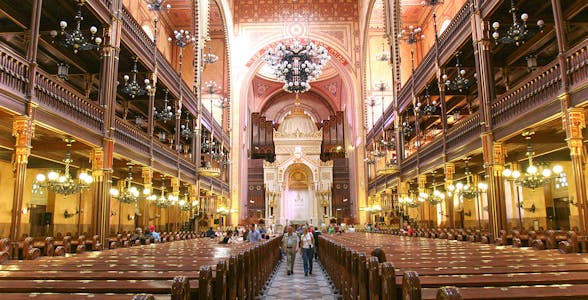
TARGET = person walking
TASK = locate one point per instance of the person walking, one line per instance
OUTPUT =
(290, 245)
(307, 246)
(316, 234)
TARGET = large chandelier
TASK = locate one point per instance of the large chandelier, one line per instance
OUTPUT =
(535, 175)
(64, 184)
(76, 39)
(128, 192)
(185, 130)
(209, 57)
(518, 31)
(459, 83)
(297, 64)
(133, 88)
(167, 112)
(468, 190)
(430, 108)
(157, 5)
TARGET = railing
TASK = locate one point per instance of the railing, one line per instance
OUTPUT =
(137, 39)
(527, 95)
(164, 155)
(577, 65)
(186, 166)
(409, 163)
(65, 101)
(458, 22)
(13, 72)
(432, 149)
(131, 136)
(464, 131)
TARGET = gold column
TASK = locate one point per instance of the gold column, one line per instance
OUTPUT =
(449, 172)
(23, 130)
(147, 174)
(494, 153)
(175, 183)
(573, 122)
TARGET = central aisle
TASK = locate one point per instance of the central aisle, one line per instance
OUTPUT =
(297, 286)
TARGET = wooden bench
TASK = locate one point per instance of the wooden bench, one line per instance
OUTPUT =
(478, 270)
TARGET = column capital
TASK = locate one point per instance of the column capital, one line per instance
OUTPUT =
(577, 122)
(175, 183)
(23, 130)
(147, 174)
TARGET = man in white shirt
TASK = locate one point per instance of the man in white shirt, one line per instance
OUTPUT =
(290, 246)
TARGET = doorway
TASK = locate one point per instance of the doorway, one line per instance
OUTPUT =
(561, 213)
(37, 220)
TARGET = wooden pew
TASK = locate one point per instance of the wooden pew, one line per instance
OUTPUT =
(4, 250)
(29, 252)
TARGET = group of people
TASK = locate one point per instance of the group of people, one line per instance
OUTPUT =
(304, 241)
(248, 233)
(148, 234)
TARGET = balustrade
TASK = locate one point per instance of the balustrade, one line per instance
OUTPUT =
(527, 95)
(131, 136)
(13, 72)
(577, 65)
(464, 131)
(164, 155)
(62, 99)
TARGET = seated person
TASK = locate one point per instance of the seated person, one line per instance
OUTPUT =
(210, 233)
(138, 235)
(147, 236)
(228, 239)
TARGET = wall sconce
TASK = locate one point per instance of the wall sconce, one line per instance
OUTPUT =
(68, 215)
(113, 213)
(63, 70)
(130, 217)
(468, 213)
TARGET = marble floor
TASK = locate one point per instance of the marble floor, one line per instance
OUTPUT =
(298, 286)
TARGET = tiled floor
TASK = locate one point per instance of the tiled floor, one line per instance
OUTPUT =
(297, 286)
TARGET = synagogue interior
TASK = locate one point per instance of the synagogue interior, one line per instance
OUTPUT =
(157, 149)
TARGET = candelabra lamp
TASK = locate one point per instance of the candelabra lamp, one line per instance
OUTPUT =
(518, 31)
(131, 87)
(64, 184)
(77, 39)
(166, 113)
(460, 83)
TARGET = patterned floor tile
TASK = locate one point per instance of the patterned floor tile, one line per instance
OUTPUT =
(298, 286)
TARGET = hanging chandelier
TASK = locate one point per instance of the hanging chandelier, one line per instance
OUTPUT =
(535, 175)
(436, 195)
(133, 88)
(297, 64)
(430, 108)
(162, 201)
(185, 130)
(76, 39)
(459, 83)
(128, 193)
(468, 191)
(157, 5)
(165, 114)
(64, 184)
(518, 31)
(383, 56)
(209, 57)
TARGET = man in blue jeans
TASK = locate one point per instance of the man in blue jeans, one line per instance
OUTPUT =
(307, 246)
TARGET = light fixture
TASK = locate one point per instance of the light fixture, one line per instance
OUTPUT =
(157, 5)
(436, 195)
(67, 214)
(76, 39)
(211, 87)
(468, 190)
(133, 88)
(430, 108)
(166, 113)
(297, 64)
(185, 130)
(162, 201)
(128, 192)
(63, 70)
(460, 83)
(383, 56)
(162, 136)
(64, 184)
(411, 35)
(531, 62)
(139, 120)
(209, 57)
(535, 175)
(518, 31)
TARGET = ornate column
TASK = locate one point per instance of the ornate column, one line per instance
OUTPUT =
(100, 195)
(193, 194)
(147, 174)
(449, 172)
(574, 121)
(173, 209)
(23, 130)
(33, 44)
